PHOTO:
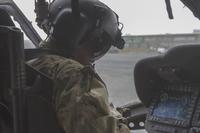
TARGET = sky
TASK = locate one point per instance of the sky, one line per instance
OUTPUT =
(140, 16)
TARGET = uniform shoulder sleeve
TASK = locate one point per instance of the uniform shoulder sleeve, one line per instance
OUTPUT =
(55, 67)
(62, 71)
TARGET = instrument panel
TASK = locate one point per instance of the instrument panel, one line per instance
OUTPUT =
(169, 85)
(175, 109)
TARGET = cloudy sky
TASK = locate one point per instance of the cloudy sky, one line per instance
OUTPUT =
(141, 16)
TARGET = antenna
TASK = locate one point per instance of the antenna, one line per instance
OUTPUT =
(169, 9)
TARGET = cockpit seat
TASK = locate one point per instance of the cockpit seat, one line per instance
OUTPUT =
(5, 19)
(6, 123)
(180, 65)
(39, 116)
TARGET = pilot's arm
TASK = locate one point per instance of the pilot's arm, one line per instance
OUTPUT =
(80, 98)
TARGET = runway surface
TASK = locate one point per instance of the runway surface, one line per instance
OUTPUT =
(116, 70)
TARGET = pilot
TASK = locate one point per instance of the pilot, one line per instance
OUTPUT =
(77, 40)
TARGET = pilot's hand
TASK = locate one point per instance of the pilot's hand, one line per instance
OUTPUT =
(123, 128)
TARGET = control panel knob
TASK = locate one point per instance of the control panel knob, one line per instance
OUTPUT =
(194, 130)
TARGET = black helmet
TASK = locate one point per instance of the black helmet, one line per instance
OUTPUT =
(90, 23)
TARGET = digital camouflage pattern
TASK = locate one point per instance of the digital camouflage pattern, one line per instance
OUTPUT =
(80, 98)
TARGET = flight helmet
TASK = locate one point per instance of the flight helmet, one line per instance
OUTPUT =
(87, 23)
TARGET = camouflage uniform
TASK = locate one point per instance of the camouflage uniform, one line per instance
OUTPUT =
(80, 97)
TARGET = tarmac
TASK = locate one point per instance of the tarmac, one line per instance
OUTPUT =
(116, 69)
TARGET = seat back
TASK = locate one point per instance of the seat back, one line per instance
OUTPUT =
(5, 20)
(33, 111)
(11, 74)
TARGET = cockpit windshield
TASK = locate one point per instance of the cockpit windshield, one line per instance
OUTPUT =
(147, 31)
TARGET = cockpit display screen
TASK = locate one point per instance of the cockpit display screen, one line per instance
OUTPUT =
(173, 105)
